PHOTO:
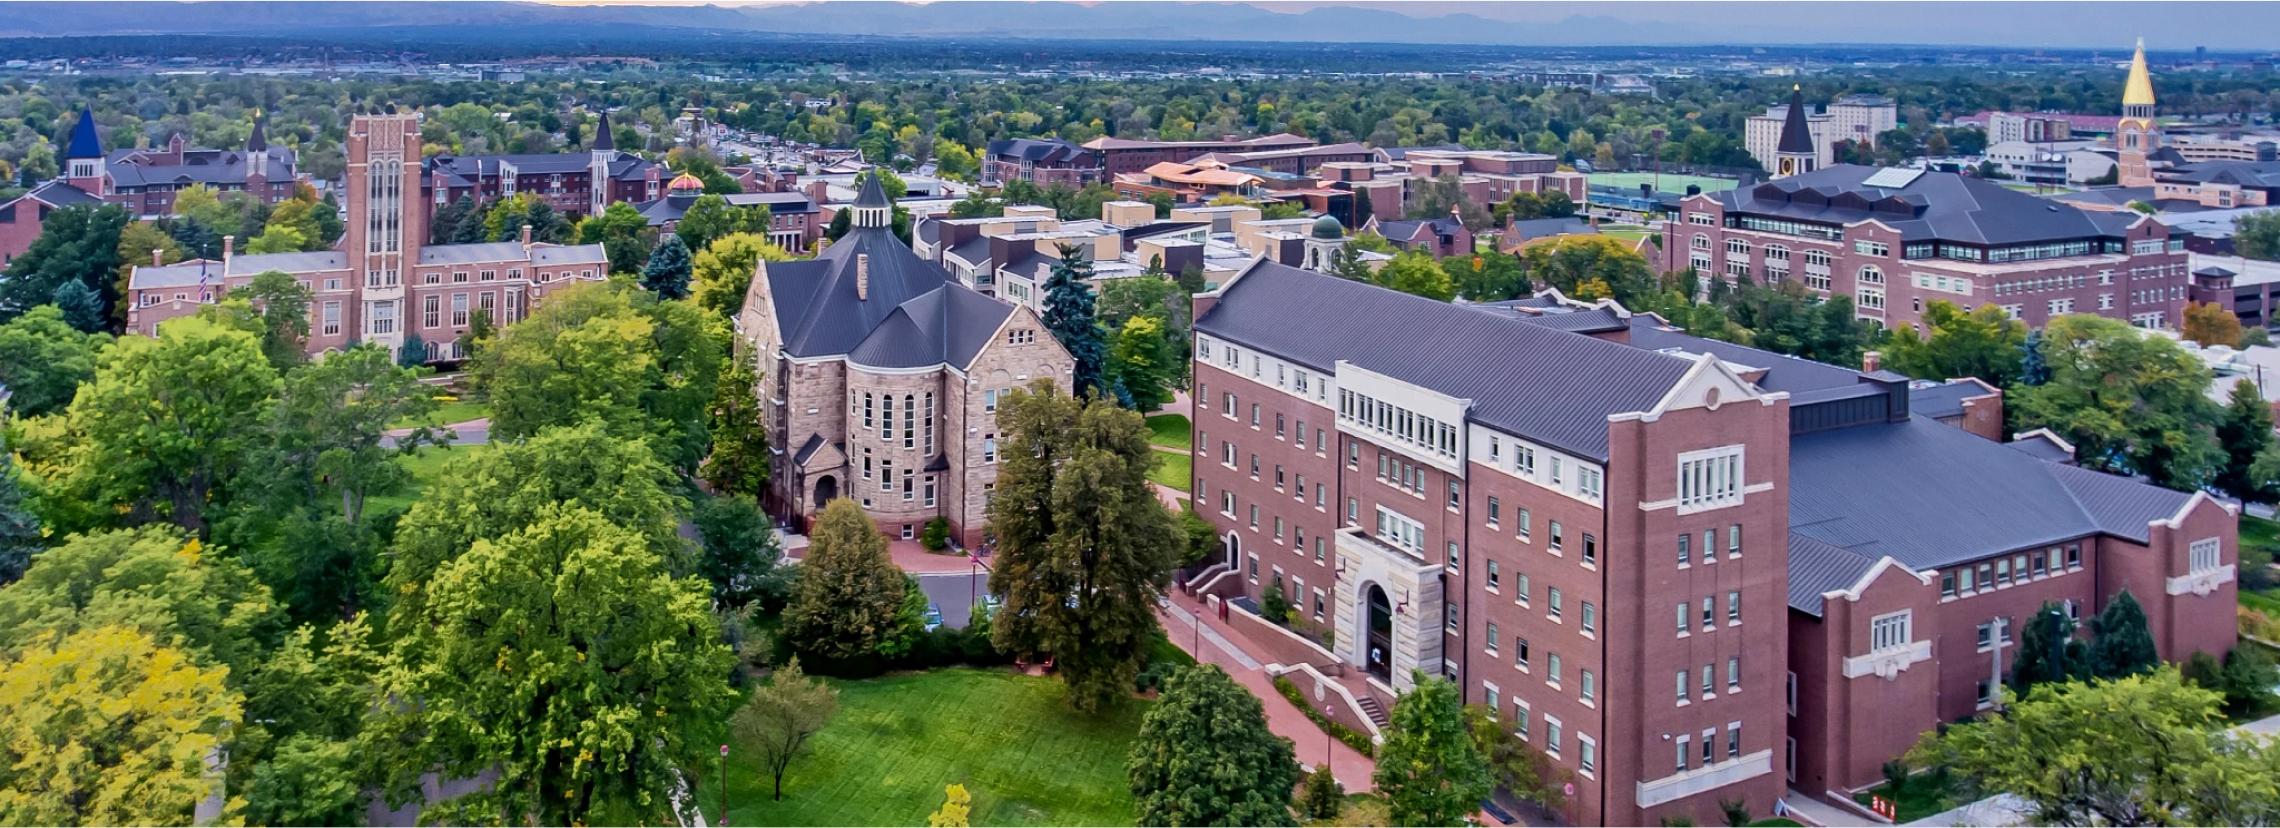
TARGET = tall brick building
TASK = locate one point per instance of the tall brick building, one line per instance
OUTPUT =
(883, 377)
(1686, 570)
(383, 283)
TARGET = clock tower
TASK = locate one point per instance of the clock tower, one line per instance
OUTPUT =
(1795, 154)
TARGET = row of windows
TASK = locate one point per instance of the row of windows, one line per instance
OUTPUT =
(1555, 670)
(1586, 748)
(1709, 747)
(1709, 545)
(1403, 425)
(1708, 686)
(1709, 613)
(2002, 572)
(878, 416)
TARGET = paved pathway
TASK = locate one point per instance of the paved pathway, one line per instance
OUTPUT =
(471, 433)
(1310, 743)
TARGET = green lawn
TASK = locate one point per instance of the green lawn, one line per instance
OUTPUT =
(425, 468)
(1170, 431)
(1012, 740)
(2258, 532)
(1625, 232)
(1173, 469)
(450, 410)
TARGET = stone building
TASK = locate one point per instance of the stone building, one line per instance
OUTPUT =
(881, 378)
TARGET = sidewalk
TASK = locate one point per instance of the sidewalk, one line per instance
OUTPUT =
(1219, 645)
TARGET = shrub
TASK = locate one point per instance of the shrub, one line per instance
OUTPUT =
(1895, 775)
(936, 536)
(1353, 738)
(1274, 607)
(1152, 677)
(1736, 811)
(1320, 795)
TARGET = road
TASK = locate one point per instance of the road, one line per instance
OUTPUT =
(954, 594)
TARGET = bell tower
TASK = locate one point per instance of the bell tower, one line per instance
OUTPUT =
(2136, 135)
(1795, 154)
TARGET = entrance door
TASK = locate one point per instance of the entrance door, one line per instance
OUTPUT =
(826, 490)
(1378, 657)
(1234, 549)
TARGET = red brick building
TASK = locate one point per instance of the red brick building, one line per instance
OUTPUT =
(22, 217)
(1041, 161)
(383, 283)
(573, 183)
(1126, 155)
(1580, 515)
(1896, 240)
(145, 181)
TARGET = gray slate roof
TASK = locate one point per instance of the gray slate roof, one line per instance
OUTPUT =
(1817, 567)
(1546, 385)
(506, 251)
(1040, 151)
(1782, 372)
(1944, 400)
(672, 207)
(818, 313)
(464, 170)
(199, 166)
(1931, 206)
(1931, 495)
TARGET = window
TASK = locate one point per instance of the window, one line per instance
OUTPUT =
(989, 450)
(1524, 460)
(1520, 719)
(1684, 742)
(1872, 248)
(1495, 510)
(1734, 740)
(1398, 530)
(2205, 554)
(1456, 496)
(1590, 550)
(1520, 595)
(1589, 686)
(1020, 336)
(1450, 619)
(1733, 673)
(1709, 682)
(1586, 755)
(1552, 602)
(431, 311)
(1685, 553)
(1493, 576)
(1709, 479)
(1520, 653)
(1453, 563)
(458, 309)
(1734, 541)
(1947, 584)
(1590, 618)
(1551, 735)
(1523, 519)
(331, 324)
(1709, 614)
(1733, 607)
(1683, 684)
(1489, 641)
(1555, 543)
(1552, 669)
(1683, 615)
(2074, 557)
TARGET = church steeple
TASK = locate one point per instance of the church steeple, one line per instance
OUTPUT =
(83, 156)
(872, 207)
(1795, 153)
(2136, 135)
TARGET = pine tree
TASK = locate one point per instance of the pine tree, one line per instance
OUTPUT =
(1428, 768)
(2032, 369)
(2245, 432)
(2123, 644)
(1069, 315)
(2048, 650)
(414, 352)
(19, 528)
(849, 601)
(82, 309)
(1204, 756)
(1084, 546)
(1347, 264)
(667, 273)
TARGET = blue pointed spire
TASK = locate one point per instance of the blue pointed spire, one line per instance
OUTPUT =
(84, 143)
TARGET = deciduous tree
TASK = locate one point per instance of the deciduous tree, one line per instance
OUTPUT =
(724, 269)
(740, 549)
(1428, 769)
(738, 462)
(1143, 362)
(1204, 756)
(2210, 324)
(642, 367)
(782, 715)
(849, 601)
(1416, 273)
(2130, 403)
(1084, 546)
(1984, 343)
(2245, 433)
(43, 360)
(1514, 764)
(164, 420)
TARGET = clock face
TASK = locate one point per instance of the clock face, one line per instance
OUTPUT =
(1788, 166)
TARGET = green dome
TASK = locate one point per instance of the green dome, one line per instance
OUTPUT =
(1328, 228)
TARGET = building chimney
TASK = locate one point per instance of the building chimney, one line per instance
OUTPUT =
(526, 236)
(863, 276)
(229, 246)
(1871, 362)
(157, 257)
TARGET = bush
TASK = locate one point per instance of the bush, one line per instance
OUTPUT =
(1320, 796)
(1353, 738)
(2247, 681)
(1202, 538)
(1152, 677)
(936, 537)
(2203, 671)
(1895, 775)
(1736, 811)
(1274, 607)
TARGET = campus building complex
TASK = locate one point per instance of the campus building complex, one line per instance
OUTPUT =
(383, 283)
(1687, 571)
(145, 181)
(573, 183)
(883, 376)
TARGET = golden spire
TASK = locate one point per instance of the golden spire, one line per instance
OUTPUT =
(2139, 90)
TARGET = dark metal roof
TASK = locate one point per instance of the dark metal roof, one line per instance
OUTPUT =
(1931, 495)
(1551, 314)
(2041, 447)
(465, 170)
(672, 207)
(1945, 400)
(1041, 150)
(1525, 229)
(873, 193)
(56, 193)
(1796, 137)
(1817, 567)
(602, 138)
(820, 314)
(1782, 372)
(1931, 206)
(259, 140)
(2249, 174)
(1544, 384)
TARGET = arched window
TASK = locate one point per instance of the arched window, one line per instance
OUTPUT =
(1869, 275)
(1701, 242)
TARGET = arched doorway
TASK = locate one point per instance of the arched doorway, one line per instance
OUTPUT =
(1377, 641)
(1234, 549)
(826, 490)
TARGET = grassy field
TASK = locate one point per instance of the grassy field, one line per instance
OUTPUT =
(1170, 431)
(1922, 798)
(1625, 232)
(425, 468)
(1010, 739)
(1173, 469)
(452, 410)
(1669, 182)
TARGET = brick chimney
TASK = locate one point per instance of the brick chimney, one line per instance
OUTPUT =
(229, 247)
(526, 236)
(1871, 362)
(157, 257)
(863, 276)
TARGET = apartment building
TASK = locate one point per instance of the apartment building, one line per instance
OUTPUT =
(383, 283)
(1040, 161)
(573, 183)
(1128, 155)
(1678, 567)
(145, 181)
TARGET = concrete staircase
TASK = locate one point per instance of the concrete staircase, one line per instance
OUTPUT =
(1374, 710)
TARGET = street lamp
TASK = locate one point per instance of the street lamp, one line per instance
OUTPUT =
(724, 785)
(1326, 748)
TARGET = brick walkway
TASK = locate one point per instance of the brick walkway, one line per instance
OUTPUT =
(1223, 646)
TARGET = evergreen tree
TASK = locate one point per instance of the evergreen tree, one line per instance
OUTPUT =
(414, 352)
(19, 528)
(2032, 369)
(2124, 644)
(82, 309)
(444, 225)
(849, 601)
(2245, 432)
(76, 244)
(2048, 650)
(1069, 315)
(667, 273)
(1084, 546)
(1428, 768)
(1204, 756)
(472, 227)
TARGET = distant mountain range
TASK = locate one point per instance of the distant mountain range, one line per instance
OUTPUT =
(2175, 26)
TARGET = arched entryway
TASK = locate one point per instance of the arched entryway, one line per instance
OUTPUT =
(826, 490)
(1377, 640)
(1234, 549)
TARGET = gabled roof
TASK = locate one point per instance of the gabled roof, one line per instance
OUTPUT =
(1547, 385)
(56, 193)
(820, 315)
(602, 138)
(1929, 206)
(1817, 568)
(1041, 151)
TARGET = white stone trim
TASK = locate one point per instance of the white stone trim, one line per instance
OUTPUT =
(1852, 593)
(1889, 663)
(2203, 582)
(1687, 783)
(1354, 704)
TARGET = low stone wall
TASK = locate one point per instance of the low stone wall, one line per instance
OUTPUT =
(1328, 697)
(1282, 645)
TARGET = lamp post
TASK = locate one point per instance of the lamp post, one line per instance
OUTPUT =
(724, 785)
(1326, 739)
